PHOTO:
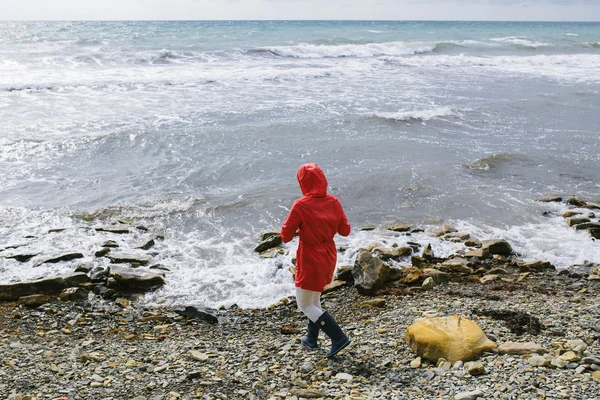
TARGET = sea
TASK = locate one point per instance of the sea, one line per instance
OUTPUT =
(195, 130)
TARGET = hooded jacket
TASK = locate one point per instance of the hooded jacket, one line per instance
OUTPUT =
(317, 217)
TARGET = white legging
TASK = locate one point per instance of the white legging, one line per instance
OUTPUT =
(309, 303)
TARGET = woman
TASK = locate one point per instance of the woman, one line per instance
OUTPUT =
(317, 217)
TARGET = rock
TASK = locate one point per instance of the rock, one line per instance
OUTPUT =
(63, 257)
(526, 348)
(456, 237)
(399, 228)
(594, 232)
(369, 273)
(572, 221)
(577, 202)
(550, 199)
(537, 266)
(368, 228)
(428, 283)
(128, 258)
(412, 276)
(428, 252)
(416, 363)
(35, 300)
(558, 362)
(110, 243)
(475, 369)
(268, 243)
(576, 345)
(488, 278)
(373, 303)
(570, 356)
(344, 273)
(204, 314)
(74, 294)
(443, 230)
(147, 245)
(135, 280)
(333, 286)
(570, 214)
(51, 286)
(469, 395)
(479, 253)
(596, 375)
(591, 360)
(458, 265)
(452, 338)
(500, 247)
(437, 275)
(123, 302)
(102, 252)
(307, 394)
(538, 361)
(393, 253)
(343, 376)
(21, 257)
(117, 228)
(196, 355)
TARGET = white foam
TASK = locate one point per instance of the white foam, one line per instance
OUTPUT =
(420, 115)
(571, 34)
(350, 50)
(521, 40)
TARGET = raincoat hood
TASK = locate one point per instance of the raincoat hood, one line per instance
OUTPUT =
(312, 180)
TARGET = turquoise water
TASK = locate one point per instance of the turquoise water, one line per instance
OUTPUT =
(197, 128)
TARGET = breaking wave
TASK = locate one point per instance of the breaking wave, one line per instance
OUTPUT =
(417, 115)
(348, 50)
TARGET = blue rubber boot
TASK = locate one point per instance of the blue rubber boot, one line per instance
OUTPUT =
(339, 340)
(312, 334)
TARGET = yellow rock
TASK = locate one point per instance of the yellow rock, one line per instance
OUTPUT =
(596, 375)
(452, 338)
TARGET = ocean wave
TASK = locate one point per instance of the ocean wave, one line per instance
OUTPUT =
(571, 34)
(417, 115)
(348, 50)
(521, 42)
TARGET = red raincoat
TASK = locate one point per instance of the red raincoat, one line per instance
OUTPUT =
(317, 217)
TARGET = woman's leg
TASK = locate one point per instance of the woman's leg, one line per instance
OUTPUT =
(309, 303)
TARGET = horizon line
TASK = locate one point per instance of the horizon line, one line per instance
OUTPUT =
(293, 20)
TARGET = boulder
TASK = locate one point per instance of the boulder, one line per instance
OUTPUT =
(456, 237)
(344, 273)
(550, 199)
(572, 221)
(50, 286)
(571, 213)
(63, 257)
(135, 280)
(587, 225)
(443, 230)
(497, 246)
(146, 244)
(577, 202)
(399, 228)
(428, 283)
(452, 338)
(519, 349)
(204, 314)
(457, 264)
(437, 275)
(479, 253)
(74, 294)
(21, 257)
(394, 253)
(536, 266)
(594, 232)
(428, 252)
(333, 286)
(117, 228)
(268, 243)
(128, 258)
(372, 303)
(412, 276)
(369, 273)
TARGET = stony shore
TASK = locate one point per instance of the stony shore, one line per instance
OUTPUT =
(95, 346)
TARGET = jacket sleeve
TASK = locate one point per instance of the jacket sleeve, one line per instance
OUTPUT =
(344, 226)
(291, 224)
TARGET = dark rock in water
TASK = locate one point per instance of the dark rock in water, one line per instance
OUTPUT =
(204, 314)
(269, 243)
(147, 245)
(399, 228)
(587, 225)
(576, 221)
(141, 228)
(125, 258)
(99, 290)
(110, 294)
(594, 232)
(368, 228)
(21, 257)
(536, 266)
(578, 202)
(63, 257)
(500, 247)
(518, 322)
(577, 271)
(268, 235)
(35, 300)
(110, 243)
(74, 294)
(98, 274)
(369, 273)
(135, 280)
(83, 268)
(428, 252)
(102, 252)
(550, 199)
(52, 286)
(112, 283)
(159, 267)
(122, 228)
(56, 230)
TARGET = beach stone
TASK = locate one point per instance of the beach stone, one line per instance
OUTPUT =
(393, 253)
(412, 276)
(268, 242)
(135, 280)
(538, 361)
(576, 344)
(475, 369)
(526, 348)
(587, 226)
(479, 253)
(488, 278)
(591, 360)
(571, 213)
(452, 338)
(570, 356)
(550, 199)
(117, 228)
(399, 228)
(146, 245)
(307, 393)
(204, 314)
(437, 275)
(35, 300)
(102, 252)
(344, 273)
(63, 257)
(128, 258)
(123, 302)
(51, 286)
(74, 294)
(458, 265)
(22, 257)
(443, 230)
(536, 266)
(572, 221)
(594, 232)
(373, 303)
(196, 355)
(369, 273)
(343, 376)
(416, 363)
(578, 202)
(333, 286)
(428, 252)
(428, 283)
(596, 375)
(475, 394)
(110, 244)
(497, 246)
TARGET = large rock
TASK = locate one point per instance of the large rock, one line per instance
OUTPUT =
(268, 242)
(205, 314)
(393, 253)
(52, 286)
(135, 280)
(572, 221)
(63, 257)
(458, 265)
(437, 275)
(35, 300)
(369, 273)
(117, 228)
(452, 338)
(550, 199)
(128, 258)
(497, 246)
